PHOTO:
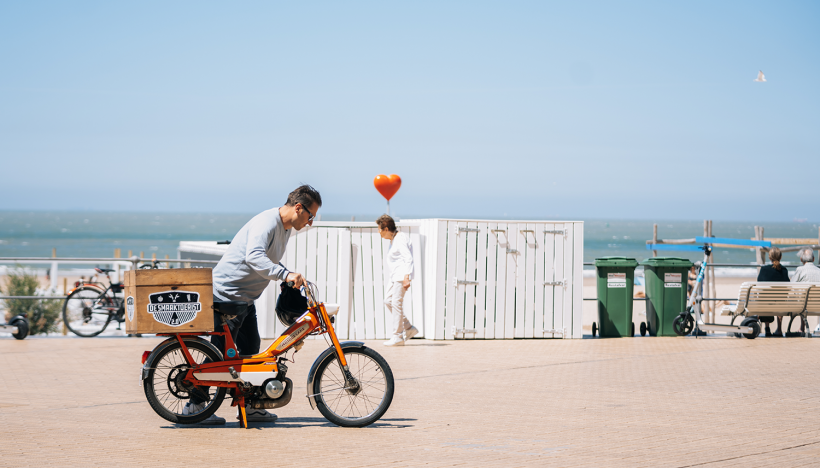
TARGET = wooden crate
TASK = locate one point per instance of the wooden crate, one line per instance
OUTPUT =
(169, 301)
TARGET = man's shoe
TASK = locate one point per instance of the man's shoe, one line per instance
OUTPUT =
(397, 340)
(410, 333)
(258, 415)
(777, 334)
(194, 408)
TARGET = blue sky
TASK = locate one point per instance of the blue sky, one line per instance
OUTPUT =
(485, 109)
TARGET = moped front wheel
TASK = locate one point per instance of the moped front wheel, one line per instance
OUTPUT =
(364, 402)
(169, 393)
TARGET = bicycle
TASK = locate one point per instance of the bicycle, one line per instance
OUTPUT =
(89, 307)
(349, 383)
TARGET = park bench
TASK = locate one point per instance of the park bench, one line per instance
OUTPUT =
(776, 299)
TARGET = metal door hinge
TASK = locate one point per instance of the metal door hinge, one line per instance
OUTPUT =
(457, 282)
(563, 232)
(458, 230)
(463, 331)
(562, 283)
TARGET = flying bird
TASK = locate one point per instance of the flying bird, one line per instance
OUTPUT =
(760, 78)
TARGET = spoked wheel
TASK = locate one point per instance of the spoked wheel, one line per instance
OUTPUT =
(683, 324)
(359, 405)
(86, 311)
(168, 391)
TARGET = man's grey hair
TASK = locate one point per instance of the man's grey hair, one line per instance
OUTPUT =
(806, 255)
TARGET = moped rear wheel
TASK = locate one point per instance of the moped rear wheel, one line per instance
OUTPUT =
(167, 391)
(359, 406)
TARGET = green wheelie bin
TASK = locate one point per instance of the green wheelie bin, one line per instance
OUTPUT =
(616, 279)
(666, 281)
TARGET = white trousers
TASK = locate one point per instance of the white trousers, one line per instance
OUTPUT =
(393, 301)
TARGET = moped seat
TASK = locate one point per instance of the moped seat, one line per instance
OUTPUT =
(230, 307)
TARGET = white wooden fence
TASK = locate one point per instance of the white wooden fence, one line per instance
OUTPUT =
(473, 279)
(510, 279)
(347, 263)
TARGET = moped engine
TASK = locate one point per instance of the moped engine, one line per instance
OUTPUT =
(275, 394)
(274, 389)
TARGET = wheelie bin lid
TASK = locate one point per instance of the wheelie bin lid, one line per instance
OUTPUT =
(624, 262)
(668, 262)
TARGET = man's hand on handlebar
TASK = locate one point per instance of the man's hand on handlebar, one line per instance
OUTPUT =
(296, 278)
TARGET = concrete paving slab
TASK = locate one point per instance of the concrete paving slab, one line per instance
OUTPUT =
(659, 402)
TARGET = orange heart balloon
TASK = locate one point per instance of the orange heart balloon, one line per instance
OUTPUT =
(387, 185)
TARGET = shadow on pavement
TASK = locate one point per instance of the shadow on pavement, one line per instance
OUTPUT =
(296, 423)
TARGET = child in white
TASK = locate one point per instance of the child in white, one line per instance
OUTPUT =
(400, 265)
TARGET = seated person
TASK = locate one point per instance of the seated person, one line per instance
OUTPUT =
(774, 272)
(808, 273)
(693, 278)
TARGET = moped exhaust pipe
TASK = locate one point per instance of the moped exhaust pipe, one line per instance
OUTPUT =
(267, 403)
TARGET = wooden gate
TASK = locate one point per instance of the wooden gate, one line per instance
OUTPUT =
(474, 279)
(488, 279)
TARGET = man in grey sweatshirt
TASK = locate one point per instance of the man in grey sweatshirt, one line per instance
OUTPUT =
(249, 265)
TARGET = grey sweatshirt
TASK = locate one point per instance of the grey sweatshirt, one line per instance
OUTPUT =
(252, 259)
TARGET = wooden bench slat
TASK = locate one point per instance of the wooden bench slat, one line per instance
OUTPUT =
(773, 299)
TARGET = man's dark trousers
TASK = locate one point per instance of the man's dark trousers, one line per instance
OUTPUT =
(245, 332)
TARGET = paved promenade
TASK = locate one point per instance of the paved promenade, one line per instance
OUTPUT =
(655, 402)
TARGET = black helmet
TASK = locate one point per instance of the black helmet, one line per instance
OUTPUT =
(291, 305)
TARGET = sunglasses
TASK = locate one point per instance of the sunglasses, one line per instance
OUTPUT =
(311, 214)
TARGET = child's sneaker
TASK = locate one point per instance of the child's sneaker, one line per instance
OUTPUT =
(397, 340)
(410, 333)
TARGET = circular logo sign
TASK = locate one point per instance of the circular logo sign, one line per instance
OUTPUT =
(129, 307)
(231, 352)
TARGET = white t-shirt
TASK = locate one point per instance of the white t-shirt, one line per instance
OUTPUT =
(400, 257)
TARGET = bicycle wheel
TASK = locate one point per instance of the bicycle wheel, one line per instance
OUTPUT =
(87, 311)
(168, 392)
(354, 407)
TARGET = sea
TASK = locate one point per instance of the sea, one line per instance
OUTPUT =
(98, 234)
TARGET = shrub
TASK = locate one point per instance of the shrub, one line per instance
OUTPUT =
(43, 315)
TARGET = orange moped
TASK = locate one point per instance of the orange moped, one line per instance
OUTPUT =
(350, 384)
